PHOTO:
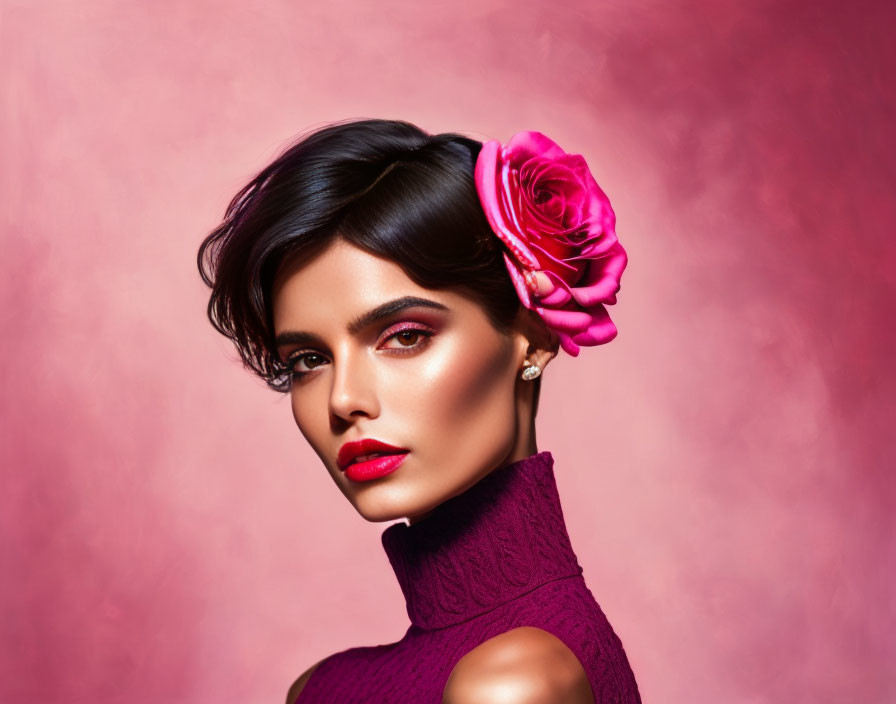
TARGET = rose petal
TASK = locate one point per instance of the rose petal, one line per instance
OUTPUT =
(552, 254)
(539, 175)
(568, 320)
(487, 174)
(561, 179)
(528, 144)
(541, 284)
(600, 330)
(578, 238)
(598, 247)
(602, 279)
(552, 262)
(519, 283)
(600, 212)
(554, 208)
(536, 222)
(559, 295)
(568, 345)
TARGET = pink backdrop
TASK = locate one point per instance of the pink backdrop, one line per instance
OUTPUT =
(167, 536)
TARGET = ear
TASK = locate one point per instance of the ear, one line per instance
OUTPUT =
(538, 343)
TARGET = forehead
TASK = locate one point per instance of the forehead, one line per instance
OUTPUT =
(338, 284)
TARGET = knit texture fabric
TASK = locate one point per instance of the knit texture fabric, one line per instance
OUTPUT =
(493, 558)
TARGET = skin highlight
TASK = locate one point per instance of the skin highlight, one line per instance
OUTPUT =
(439, 379)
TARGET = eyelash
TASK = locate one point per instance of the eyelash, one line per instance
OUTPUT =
(426, 334)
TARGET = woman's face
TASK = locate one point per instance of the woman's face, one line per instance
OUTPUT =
(437, 380)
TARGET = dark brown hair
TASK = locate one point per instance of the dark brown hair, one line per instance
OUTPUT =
(385, 186)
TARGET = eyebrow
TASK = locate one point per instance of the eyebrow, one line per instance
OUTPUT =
(387, 309)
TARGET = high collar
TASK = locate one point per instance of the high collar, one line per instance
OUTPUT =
(502, 537)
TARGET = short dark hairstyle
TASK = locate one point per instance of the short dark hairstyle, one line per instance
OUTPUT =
(385, 186)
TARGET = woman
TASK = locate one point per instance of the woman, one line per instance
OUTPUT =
(407, 291)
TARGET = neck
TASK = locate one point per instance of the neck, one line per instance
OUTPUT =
(501, 538)
(524, 445)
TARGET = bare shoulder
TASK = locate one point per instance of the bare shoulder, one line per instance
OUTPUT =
(296, 687)
(524, 665)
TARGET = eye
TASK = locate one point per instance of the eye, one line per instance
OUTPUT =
(311, 360)
(409, 337)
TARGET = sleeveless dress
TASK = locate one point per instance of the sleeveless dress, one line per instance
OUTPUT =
(493, 558)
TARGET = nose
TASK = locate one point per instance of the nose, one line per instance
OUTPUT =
(353, 390)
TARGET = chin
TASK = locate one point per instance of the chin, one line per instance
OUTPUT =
(381, 515)
(381, 508)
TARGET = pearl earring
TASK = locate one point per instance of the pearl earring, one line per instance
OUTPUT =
(531, 371)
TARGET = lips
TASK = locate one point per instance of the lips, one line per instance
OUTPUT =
(354, 451)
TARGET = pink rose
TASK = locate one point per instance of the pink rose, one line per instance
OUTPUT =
(557, 223)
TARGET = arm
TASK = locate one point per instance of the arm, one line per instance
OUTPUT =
(522, 666)
(296, 687)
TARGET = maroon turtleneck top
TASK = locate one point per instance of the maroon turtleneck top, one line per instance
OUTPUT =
(493, 558)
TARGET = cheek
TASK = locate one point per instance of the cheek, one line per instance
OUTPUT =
(460, 386)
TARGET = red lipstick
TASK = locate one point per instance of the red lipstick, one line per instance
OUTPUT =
(387, 459)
